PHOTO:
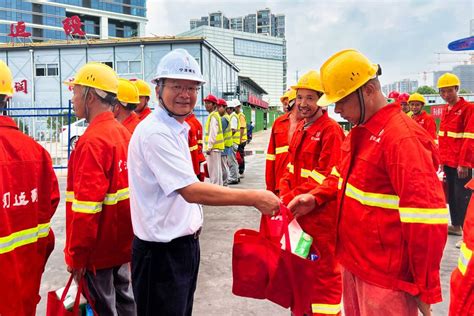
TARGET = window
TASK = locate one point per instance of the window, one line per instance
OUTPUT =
(129, 67)
(47, 70)
(257, 49)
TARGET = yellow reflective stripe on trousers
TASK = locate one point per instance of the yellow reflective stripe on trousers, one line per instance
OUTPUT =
(328, 309)
(424, 215)
(465, 255)
(23, 237)
(372, 199)
(291, 168)
(271, 157)
(281, 150)
(193, 148)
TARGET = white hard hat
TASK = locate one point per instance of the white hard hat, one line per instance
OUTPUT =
(236, 103)
(230, 104)
(178, 64)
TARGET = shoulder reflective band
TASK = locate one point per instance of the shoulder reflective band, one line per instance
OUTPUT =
(23, 237)
(326, 309)
(424, 215)
(465, 255)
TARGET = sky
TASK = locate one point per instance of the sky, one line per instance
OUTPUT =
(402, 36)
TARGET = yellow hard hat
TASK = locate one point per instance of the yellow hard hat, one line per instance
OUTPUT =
(143, 87)
(417, 97)
(127, 92)
(448, 80)
(291, 95)
(285, 95)
(96, 75)
(311, 81)
(344, 73)
(6, 79)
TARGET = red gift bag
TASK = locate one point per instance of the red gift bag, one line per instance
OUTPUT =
(55, 306)
(261, 269)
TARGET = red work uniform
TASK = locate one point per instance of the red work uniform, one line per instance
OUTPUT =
(384, 221)
(277, 153)
(462, 278)
(195, 144)
(131, 122)
(427, 122)
(314, 151)
(29, 195)
(98, 225)
(456, 135)
(146, 111)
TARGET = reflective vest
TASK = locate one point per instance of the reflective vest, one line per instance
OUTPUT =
(243, 121)
(219, 138)
(236, 135)
(456, 135)
(98, 225)
(194, 139)
(228, 132)
(383, 218)
(427, 122)
(277, 153)
(314, 150)
(462, 277)
(29, 196)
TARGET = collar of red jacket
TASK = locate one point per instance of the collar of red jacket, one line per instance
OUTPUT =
(378, 121)
(459, 104)
(6, 121)
(102, 117)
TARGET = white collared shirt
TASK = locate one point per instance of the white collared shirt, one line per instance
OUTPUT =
(159, 163)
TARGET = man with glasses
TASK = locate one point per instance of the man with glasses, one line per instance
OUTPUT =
(456, 148)
(165, 193)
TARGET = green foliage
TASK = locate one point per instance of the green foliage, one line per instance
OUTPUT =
(426, 90)
(57, 122)
(464, 91)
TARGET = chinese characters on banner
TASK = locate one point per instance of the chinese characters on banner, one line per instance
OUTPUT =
(21, 86)
(18, 30)
(72, 26)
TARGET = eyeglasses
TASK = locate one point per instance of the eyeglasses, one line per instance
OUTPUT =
(181, 89)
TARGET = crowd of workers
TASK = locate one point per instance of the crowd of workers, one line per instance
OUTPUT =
(372, 199)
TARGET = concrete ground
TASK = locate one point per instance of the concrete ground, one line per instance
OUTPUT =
(214, 292)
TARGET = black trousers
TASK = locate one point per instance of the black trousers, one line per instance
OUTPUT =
(458, 195)
(164, 276)
(241, 150)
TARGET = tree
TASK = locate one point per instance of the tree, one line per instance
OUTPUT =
(426, 90)
(464, 91)
(55, 123)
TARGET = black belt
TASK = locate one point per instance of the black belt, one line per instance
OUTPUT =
(193, 236)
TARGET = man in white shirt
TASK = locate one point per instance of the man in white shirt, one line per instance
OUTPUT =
(165, 194)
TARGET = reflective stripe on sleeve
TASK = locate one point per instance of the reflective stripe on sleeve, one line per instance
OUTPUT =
(281, 150)
(305, 173)
(372, 199)
(461, 135)
(441, 133)
(271, 157)
(316, 176)
(114, 198)
(326, 309)
(23, 237)
(69, 196)
(86, 207)
(89, 207)
(334, 172)
(465, 255)
(424, 215)
(193, 148)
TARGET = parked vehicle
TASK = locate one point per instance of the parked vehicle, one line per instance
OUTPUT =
(77, 129)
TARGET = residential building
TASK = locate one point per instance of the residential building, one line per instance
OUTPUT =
(262, 22)
(465, 74)
(404, 85)
(100, 19)
(259, 57)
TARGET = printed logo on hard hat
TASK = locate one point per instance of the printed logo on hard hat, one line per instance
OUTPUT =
(187, 67)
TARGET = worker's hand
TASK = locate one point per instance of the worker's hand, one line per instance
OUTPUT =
(424, 308)
(77, 273)
(267, 202)
(462, 172)
(302, 205)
